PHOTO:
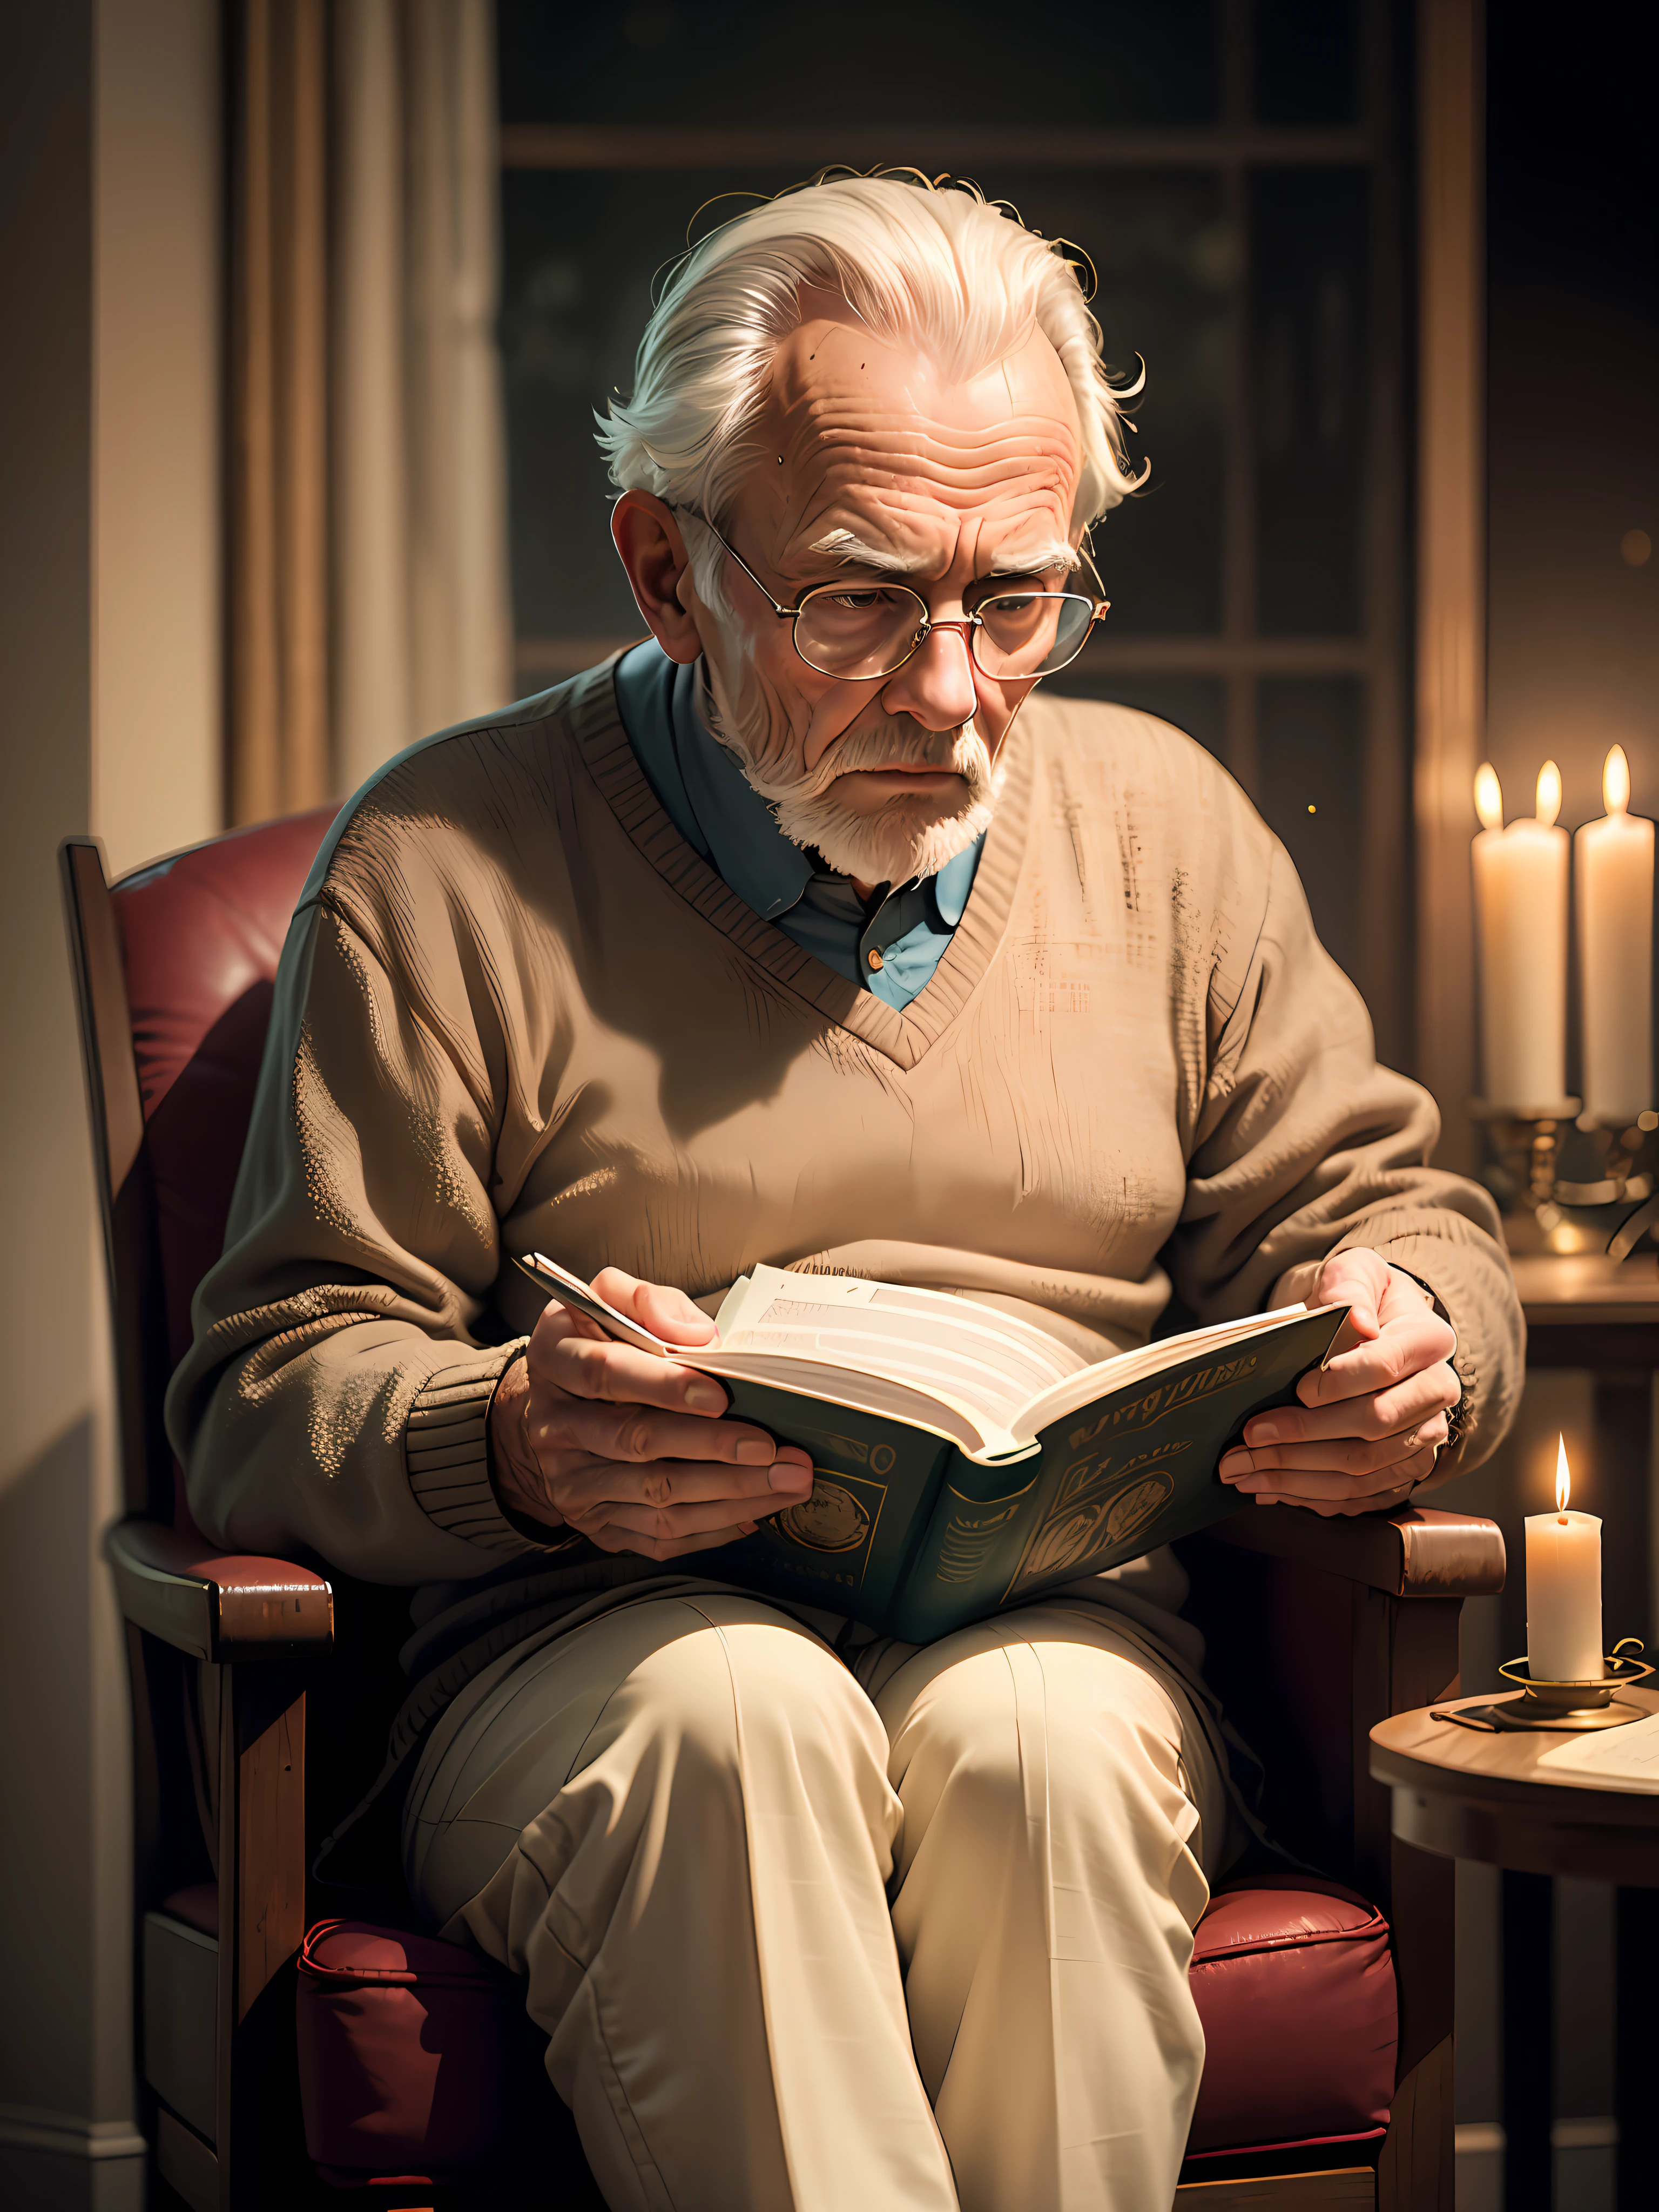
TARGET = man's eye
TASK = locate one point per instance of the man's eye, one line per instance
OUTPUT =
(859, 602)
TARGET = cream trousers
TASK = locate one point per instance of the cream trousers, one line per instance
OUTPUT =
(801, 1946)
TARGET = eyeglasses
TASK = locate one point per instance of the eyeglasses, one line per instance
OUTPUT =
(859, 632)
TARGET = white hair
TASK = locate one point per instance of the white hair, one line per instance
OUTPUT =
(959, 275)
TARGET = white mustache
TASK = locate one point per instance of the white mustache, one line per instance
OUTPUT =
(901, 744)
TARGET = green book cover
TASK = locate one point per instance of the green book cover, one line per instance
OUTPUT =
(926, 1511)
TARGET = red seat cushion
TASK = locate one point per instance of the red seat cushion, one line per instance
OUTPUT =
(1294, 1983)
(418, 2058)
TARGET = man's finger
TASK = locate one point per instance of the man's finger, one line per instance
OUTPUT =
(663, 1547)
(666, 1313)
(589, 1485)
(1404, 1348)
(585, 1367)
(1387, 1412)
(635, 1434)
(1364, 1492)
(1349, 1457)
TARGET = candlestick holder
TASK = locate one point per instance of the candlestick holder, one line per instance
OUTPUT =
(1568, 1706)
(1568, 1181)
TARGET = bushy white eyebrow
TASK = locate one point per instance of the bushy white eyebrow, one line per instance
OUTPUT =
(848, 547)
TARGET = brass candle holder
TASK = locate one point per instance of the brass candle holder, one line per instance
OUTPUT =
(1569, 1182)
(1570, 1707)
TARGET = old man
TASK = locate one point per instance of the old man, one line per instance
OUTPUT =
(809, 930)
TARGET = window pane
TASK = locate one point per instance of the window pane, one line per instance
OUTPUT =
(1117, 62)
(1197, 704)
(580, 249)
(1310, 734)
(1307, 61)
(1163, 257)
(1308, 262)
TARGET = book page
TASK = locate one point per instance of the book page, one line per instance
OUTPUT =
(1106, 1375)
(1625, 1758)
(989, 1361)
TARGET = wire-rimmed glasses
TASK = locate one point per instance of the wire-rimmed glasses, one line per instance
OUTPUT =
(859, 632)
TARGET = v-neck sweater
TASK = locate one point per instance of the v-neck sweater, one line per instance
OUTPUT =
(517, 1011)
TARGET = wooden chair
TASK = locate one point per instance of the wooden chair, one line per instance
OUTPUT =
(261, 1687)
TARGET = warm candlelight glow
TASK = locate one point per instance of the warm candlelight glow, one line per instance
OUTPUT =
(1549, 793)
(1488, 797)
(1563, 1479)
(1615, 781)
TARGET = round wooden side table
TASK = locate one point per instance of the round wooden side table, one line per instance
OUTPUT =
(1464, 1794)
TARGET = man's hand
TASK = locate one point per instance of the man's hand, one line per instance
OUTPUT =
(630, 1449)
(1371, 1423)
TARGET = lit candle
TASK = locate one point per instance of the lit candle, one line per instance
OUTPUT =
(1563, 1589)
(1613, 862)
(1521, 899)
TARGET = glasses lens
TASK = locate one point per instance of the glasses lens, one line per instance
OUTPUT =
(1031, 633)
(859, 633)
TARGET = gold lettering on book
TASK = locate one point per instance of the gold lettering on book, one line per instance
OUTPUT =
(1071, 1537)
(969, 1539)
(1098, 1468)
(1165, 1398)
(839, 1517)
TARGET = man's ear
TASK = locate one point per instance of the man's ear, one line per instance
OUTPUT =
(654, 553)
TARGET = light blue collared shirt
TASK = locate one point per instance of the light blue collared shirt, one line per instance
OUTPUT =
(722, 816)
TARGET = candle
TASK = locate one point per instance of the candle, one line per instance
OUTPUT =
(1613, 862)
(1563, 1589)
(1521, 901)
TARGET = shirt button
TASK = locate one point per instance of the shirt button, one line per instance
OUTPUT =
(873, 957)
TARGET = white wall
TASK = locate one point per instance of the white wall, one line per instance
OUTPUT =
(157, 674)
(109, 689)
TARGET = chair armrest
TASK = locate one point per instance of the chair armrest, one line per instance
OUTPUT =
(1414, 1552)
(216, 1605)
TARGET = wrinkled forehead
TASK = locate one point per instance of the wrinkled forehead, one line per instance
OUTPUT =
(856, 425)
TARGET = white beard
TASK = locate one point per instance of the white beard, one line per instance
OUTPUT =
(907, 837)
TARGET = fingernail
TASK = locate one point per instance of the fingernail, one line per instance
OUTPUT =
(1264, 1432)
(756, 1451)
(705, 1397)
(790, 1474)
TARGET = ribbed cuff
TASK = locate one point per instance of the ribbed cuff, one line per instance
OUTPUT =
(446, 1450)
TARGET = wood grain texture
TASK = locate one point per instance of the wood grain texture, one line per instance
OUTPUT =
(271, 1858)
(1340, 2189)
(1416, 2172)
(1460, 1793)
(1586, 1289)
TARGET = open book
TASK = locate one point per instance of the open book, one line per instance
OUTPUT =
(964, 1459)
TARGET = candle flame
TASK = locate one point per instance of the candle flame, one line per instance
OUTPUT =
(1488, 797)
(1615, 781)
(1549, 793)
(1563, 1477)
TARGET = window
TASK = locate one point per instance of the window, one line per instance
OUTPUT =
(1232, 171)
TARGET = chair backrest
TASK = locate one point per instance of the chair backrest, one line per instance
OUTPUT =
(174, 967)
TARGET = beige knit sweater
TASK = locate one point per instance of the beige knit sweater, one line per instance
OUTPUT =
(516, 1011)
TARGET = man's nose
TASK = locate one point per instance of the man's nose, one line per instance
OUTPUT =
(936, 684)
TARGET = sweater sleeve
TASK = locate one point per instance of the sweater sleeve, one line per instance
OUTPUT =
(336, 1395)
(1304, 1147)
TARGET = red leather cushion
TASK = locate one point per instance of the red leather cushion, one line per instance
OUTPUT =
(201, 935)
(417, 2058)
(1295, 1986)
